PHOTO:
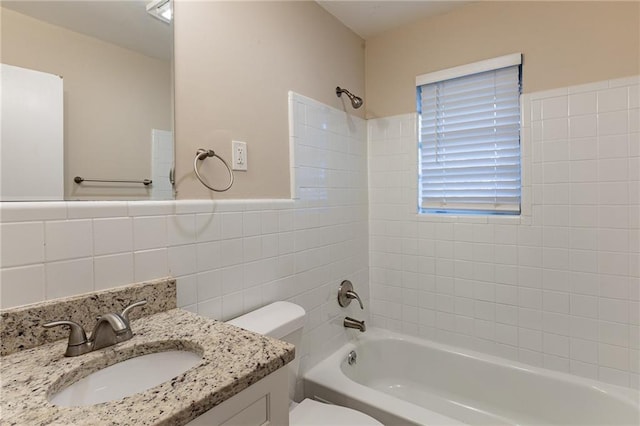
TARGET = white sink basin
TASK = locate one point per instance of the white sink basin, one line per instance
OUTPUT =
(126, 378)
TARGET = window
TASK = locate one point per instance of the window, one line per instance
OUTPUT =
(469, 138)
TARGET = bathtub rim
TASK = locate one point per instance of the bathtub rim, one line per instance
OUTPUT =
(329, 370)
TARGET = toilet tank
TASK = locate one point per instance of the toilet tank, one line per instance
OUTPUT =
(280, 320)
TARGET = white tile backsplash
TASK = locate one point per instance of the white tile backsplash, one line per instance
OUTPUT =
(187, 291)
(231, 224)
(68, 278)
(583, 103)
(113, 270)
(22, 285)
(557, 107)
(181, 229)
(149, 232)
(209, 284)
(27, 212)
(612, 99)
(182, 260)
(112, 235)
(613, 123)
(554, 129)
(559, 286)
(583, 126)
(96, 209)
(228, 256)
(21, 243)
(553, 287)
(149, 264)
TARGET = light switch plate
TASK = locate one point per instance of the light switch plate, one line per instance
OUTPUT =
(239, 155)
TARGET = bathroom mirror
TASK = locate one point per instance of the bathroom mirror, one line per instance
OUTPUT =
(114, 59)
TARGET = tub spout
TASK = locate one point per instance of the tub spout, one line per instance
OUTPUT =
(354, 323)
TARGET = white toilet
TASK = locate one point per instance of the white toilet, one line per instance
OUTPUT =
(284, 321)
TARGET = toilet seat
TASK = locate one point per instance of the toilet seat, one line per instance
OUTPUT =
(310, 412)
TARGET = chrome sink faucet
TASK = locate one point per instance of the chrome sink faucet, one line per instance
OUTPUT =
(110, 329)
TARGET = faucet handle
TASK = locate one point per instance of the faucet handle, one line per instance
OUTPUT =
(353, 295)
(77, 335)
(346, 294)
(125, 312)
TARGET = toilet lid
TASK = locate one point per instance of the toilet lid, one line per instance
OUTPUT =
(310, 412)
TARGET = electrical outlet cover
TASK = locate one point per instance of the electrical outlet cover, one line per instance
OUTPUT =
(239, 155)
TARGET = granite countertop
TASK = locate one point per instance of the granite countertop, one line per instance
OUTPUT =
(232, 360)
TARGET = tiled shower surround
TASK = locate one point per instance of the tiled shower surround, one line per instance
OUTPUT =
(229, 257)
(558, 286)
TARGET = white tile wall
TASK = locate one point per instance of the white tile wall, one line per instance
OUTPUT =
(229, 257)
(558, 286)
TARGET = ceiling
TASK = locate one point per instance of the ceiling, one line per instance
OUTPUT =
(127, 24)
(124, 23)
(370, 18)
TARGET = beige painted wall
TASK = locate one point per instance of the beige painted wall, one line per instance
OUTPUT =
(563, 43)
(113, 97)
(235, 63)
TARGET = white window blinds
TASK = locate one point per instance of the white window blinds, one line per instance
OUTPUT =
(470, 142)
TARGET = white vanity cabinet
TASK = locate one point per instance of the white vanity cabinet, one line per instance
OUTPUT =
(263, 403)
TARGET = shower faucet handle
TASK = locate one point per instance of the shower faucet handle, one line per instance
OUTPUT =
(354, 295)
(346, 294)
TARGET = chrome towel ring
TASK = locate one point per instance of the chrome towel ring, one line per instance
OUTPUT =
(201, 154)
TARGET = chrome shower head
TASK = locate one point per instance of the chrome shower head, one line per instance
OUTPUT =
(356, 101)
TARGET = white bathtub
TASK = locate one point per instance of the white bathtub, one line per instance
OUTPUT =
(403, 380)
